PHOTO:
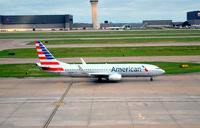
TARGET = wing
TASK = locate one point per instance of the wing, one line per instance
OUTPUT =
(109, 76)
(103, 75)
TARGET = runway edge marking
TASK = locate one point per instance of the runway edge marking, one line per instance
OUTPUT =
(57, 106)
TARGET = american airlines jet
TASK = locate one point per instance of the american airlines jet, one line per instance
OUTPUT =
(112, 72)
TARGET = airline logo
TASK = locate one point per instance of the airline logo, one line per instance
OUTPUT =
(145, 68)
(8, 20)
(46, 58)
(199, 14)
(127, 69)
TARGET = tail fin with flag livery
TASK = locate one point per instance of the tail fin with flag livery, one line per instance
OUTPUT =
(47, 60)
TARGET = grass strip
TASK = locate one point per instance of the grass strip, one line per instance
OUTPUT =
(98, 32)
(20, 70)
(99, 36)
(122, 41)
(106, 52)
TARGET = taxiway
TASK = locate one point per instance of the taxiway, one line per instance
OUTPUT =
(171, 101)
(22, 43)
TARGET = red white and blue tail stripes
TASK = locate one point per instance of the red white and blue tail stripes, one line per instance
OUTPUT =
(47, 59)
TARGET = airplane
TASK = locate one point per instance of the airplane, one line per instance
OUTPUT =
(110, 72)
(115, 28)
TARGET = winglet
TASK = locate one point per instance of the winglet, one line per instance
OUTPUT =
(83, 62)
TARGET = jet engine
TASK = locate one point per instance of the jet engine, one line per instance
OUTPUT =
(114, 77)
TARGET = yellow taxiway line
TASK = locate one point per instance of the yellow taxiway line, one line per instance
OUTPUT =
(57, 106)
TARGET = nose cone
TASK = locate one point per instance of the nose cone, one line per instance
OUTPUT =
(162, 71)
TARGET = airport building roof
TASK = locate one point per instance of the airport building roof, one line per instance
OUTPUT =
(157, 22)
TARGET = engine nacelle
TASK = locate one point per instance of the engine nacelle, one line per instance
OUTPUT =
(115, 77)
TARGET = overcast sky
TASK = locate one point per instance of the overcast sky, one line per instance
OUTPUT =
(134, 11)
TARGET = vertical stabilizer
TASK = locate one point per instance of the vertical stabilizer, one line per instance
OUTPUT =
(47, 60)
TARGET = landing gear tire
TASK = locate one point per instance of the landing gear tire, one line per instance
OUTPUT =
(99, 79)
(151, 79)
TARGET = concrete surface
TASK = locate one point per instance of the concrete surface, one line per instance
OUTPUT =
(21, 43)
(171, 101)
(193, 59)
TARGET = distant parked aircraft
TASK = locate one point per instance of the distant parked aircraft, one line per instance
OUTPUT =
(115, 28)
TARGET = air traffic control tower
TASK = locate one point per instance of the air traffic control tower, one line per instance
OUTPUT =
(94, 3)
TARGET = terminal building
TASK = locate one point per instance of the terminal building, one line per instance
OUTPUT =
(35, 22)
(194, 18)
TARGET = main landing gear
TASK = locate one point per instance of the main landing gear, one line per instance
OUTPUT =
(151, 79)
(99, 79)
